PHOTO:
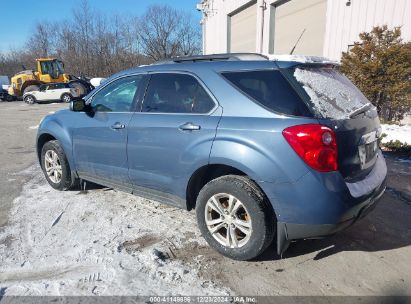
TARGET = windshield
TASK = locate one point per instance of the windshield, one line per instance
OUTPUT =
(331, 94)
(54, 68)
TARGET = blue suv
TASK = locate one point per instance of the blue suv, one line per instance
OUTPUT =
(282, 148)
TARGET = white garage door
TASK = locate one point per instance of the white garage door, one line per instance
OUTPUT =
(291, 18)
(243, 30)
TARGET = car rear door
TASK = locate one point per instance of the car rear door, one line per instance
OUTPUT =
(100, 136)
(59, 89)
(173, 133)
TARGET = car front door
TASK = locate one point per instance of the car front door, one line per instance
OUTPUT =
(50, 93)
(100, 136)
(42, 92)
(173, 133)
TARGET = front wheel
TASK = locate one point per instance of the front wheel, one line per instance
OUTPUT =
(29, 99)
(235, 217)
(55, 166)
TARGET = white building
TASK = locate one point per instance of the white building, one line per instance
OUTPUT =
(328, 27)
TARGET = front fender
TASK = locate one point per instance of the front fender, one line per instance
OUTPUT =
(52, 127)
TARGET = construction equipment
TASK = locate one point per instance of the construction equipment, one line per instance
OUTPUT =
(49, 70)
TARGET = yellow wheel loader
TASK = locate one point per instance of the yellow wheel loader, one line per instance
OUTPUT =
(49, 70)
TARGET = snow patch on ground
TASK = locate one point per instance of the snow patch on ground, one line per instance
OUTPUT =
(395, 132)
(103, 243)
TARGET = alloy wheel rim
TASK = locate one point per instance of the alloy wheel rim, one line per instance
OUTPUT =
(52, 166)
(29, 99)
(228, 220)
(66, 98)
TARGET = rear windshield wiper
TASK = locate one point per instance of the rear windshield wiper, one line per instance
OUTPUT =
(361, 110)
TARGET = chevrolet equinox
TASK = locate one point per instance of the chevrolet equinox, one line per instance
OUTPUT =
(263, 148)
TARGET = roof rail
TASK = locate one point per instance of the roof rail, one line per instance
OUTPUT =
(215, 57)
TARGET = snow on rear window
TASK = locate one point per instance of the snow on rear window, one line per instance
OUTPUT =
(331, 93)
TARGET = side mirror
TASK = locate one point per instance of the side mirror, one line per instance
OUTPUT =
(79, 105)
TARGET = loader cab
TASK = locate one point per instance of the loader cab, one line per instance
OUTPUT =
(51, 70)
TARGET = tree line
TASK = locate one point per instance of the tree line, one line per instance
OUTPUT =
(94, 44)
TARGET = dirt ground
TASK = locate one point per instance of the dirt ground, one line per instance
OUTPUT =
(107, 242)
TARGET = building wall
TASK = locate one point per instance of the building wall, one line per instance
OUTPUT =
(331, 25)
(242, 29)
(215, 25)
(291, 20)
(345, 23)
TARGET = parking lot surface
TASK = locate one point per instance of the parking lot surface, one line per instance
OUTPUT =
(106, 242)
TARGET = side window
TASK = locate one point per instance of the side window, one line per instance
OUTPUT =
(60, 86)
(118, 96)
(176, 93)
(271, 90)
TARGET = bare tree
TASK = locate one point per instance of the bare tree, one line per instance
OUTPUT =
(94, 44)
(189, 37)
(42, 39)
(165, 32)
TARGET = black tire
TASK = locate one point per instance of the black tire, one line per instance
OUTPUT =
(65, 181)
(66, 97)
(30, 99)
(9, 98)
(263, 221)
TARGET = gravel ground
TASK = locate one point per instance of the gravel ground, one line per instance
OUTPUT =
(105, 242)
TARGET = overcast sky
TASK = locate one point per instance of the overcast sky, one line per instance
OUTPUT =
(18, 17)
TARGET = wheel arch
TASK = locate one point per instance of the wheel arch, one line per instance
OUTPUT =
(209, 172)
(41, 140)
(51, 130)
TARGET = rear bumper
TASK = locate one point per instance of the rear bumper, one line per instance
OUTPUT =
(318, 205)
(287, 232)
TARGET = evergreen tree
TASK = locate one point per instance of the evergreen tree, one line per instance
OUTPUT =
(380, 65)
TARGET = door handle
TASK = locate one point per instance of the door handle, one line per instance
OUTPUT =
(117, 126)
(189, 126)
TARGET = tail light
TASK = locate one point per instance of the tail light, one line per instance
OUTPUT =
(315, 144)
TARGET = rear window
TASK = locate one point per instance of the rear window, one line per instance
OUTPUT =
(60, 86)
(271, 90)
(330, 93)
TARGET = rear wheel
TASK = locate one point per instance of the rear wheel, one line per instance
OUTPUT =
(235, 218)
(55, 166)
(66, 98)
(29, 99)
